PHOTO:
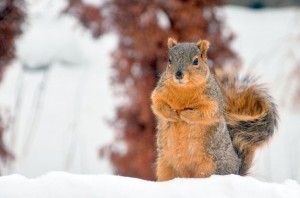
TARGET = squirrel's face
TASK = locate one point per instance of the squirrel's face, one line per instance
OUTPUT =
(187, 62)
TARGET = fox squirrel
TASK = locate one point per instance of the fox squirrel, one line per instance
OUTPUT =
(207, 125)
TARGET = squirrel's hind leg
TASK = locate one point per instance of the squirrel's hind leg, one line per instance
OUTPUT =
(164, 171)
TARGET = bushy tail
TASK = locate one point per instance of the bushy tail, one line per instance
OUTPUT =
(250, 114)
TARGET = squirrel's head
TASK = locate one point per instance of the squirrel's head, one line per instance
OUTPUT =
(187, 62)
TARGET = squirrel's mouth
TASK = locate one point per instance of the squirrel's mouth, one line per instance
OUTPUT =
(181, 81)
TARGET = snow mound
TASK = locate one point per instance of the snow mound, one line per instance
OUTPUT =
(61, 184)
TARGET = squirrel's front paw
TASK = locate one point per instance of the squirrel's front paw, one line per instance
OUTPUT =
(166, 112)
(173, 116)
(185, 115)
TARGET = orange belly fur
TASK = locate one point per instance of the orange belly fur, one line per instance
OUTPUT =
(184, 148)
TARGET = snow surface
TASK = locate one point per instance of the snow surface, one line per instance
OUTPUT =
(60, 184)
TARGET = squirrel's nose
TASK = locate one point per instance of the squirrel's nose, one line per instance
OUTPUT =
(179, 75)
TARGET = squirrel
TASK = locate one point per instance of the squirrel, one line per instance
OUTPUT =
(207, 124)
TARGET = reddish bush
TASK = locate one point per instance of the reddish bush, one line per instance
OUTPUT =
(89, 16)
(11, 18)
(143, 27)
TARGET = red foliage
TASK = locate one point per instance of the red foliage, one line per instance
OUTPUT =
(140, 58)
(89, 16)
(11, 18)
(4, 153)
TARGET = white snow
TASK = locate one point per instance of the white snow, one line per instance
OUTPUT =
(96, 3)
(59, 184)
(163, 20)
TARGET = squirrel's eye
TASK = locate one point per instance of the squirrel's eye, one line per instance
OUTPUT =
(195, 61)
(170, 62)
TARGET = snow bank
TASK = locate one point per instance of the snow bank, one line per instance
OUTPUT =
(60, 184)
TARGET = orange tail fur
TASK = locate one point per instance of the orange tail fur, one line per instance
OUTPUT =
(250, 114)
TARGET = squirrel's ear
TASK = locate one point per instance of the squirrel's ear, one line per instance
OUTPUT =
(171, 42)
(203, 46)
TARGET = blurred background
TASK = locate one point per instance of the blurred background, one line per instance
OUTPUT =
(76, 78)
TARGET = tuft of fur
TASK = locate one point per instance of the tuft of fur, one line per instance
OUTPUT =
(250, 114)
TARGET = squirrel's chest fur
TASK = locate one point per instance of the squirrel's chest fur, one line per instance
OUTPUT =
(180, 99)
